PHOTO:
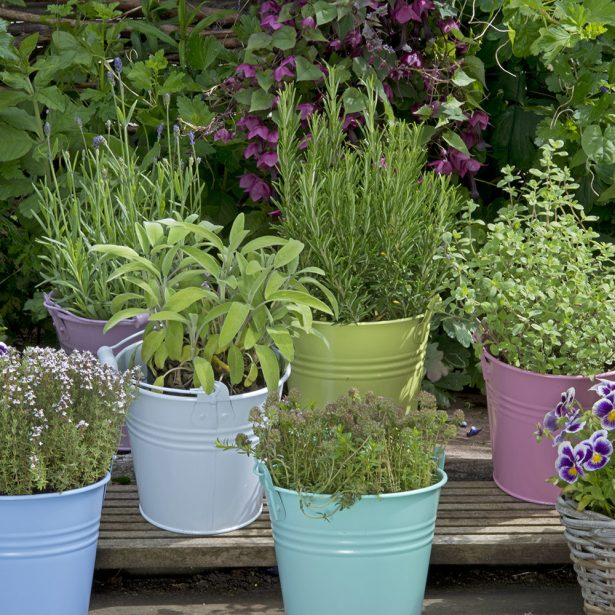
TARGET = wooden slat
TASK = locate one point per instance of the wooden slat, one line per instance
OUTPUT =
(477, 524)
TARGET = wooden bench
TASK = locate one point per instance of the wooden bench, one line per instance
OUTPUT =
(477, 524)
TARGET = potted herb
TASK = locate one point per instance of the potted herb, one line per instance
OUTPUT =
(353, 490)
(60, 419)
(541, 292)
(222, 322)
(97, 196)
(376, 222)
(584, 475)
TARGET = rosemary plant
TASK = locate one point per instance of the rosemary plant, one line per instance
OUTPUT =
(370, 215)
(98, 196)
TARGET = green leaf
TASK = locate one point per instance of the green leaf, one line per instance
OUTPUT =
(269, 366)
(285, 38)
(325, 12)
(288, 253)
(354, 100)
(194, 111)
(235, 363)
(306, 71)
(184, 298)
(123, 315)
(461, 78)
(205, 374)
(145, 27)
(284, 342)
(454, 140)
(259, 40)
(13, 143)
(166, 315)
(266, 241)
(151, 343)
(154, 231)
(261, 100)
(174, 339)
(301, 298)
(205, 260)
(235, 319)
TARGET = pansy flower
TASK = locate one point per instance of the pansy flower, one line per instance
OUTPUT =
(574, 423)
(604, 387)
(551, 420)
(602, 449)
(604, 409)
(570, 461)
(4, 349)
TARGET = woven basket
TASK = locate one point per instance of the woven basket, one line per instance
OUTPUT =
(591, 538)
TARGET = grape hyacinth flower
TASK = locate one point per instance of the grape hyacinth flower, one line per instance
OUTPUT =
(97, 141)
(117, 65)
(602, 449)
(604, 409)
(570, 461)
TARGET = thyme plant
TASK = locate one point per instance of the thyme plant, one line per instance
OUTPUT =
(541, 289)
(60, 419)
(370, 215)
(358, 445)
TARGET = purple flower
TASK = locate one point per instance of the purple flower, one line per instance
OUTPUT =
(335, 45)
(403, 13)
(117, 64)
(159, 131)
(191, 138)
(388, 90)
(422, 6)
(285, 69)
(305, 142)
(354, 39)
(604, 409)
(551, 420)
(573, 424)
(110, 77)
(97, 141)
(604, 387)
(271, 22)
(269, 7)
(442, 167)
(479, 118)
(276, 214)
(268, 160)
(4, 349)
(446, 25)
(223, 135)
(176, 130)
(252, 150)
(462, 163)
(473, 431)
(306, 109)
(412, 59)
(569, 463)
(309, 23)
(602, 449)
(246, 70)
(352, 120)
(258, 189)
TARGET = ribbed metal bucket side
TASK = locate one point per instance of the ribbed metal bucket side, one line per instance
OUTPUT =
(384, 357)
(370, 558)
(48, 549)
(186, 484)
(517, 401)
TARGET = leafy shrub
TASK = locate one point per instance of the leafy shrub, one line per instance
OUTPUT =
(60, 419)
(542, 287)
(353, 447)
(369, 214)
(216, 310)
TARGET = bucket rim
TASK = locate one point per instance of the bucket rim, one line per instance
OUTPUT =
(190, 395)
(383, 496)
(57, 494)
(519, 370)
(50, 304)
(368, 323)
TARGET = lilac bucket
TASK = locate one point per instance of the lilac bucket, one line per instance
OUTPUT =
(77, 333)
(517, 401)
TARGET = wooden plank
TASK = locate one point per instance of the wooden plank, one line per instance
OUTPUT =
(477, 524)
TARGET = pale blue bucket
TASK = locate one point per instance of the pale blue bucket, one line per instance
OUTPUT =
(370, 558)
(48, 549)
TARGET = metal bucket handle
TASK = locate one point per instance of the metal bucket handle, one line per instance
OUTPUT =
(106, 354)
(276, 506)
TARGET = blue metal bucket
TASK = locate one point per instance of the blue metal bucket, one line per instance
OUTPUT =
(48, 549)
(370, 558)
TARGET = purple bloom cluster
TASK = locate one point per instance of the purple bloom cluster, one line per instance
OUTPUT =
(590, 455)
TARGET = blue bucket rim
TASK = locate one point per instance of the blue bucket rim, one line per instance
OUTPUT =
(57, 494)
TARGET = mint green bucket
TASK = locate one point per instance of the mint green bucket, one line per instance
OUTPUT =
(370, 558)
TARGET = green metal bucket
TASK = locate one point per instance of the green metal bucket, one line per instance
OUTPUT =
(370, 558)
(384, 357)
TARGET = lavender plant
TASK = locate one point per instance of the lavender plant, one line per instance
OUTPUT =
(60, 419)
(107, 190)
(358, 445)
(584, 468)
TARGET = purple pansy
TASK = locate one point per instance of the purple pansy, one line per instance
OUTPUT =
(570, 461)
(602, 449)
(4, 349)
(604, 387)
(604, 409)
(562, 409)
(573, 425)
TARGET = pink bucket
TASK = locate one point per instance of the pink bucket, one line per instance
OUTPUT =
(77, 333)
(517, 400)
